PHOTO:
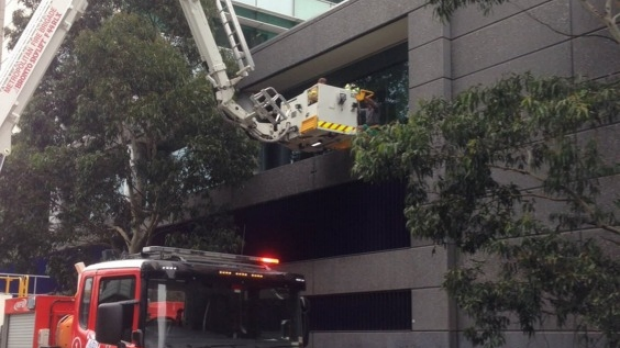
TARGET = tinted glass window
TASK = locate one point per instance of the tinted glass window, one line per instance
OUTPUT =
(391, 88)
(116, 289)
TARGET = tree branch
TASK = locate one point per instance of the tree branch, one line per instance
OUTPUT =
(123, 234)
(85, 219)
(607, 19)
(595, 11)
(517, 170)
(588, 209)
(610, 20)
(575, 198)
(588, 6)
(545, 197)
(617, 243)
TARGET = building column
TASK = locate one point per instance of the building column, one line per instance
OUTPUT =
(430, 66)
(430, 75)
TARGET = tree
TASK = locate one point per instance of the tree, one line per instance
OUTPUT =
(478, 169)
(24, 212)
(211, 233)
(463, 161)
(122, 136)
(166, 117)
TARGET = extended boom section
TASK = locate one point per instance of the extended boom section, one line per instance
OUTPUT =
(32, 55)
(321, 117)
(266, 122)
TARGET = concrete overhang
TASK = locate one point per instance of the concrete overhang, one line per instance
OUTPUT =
(330, 42)
(316, 173)
(262, 26)
(335, 59)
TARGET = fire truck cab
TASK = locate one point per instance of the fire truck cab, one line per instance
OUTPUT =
(167, 298)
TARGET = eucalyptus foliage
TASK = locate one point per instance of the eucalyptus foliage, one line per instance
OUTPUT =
(24, 233)
(212, 233)
(480, 169)
(145, 133)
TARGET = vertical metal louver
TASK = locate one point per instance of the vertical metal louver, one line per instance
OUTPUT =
(21, 331)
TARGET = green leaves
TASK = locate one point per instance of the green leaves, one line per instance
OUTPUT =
(479, 169)
(215, 233)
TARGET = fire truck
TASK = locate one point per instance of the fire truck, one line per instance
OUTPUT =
(321, 117)
(167, 298)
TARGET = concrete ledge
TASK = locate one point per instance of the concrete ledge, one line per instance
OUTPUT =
(326, 35)
(308, 175)
(416, 268)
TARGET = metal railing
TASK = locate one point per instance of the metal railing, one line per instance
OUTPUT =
(23, 283)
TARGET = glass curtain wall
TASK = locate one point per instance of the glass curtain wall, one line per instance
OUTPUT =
(302, 9)
(255, 36)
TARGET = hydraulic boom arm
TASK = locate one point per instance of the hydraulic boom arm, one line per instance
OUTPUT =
(266, 122)
(32, 55)
(322, 116)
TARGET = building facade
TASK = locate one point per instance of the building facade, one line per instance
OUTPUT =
(369, 283)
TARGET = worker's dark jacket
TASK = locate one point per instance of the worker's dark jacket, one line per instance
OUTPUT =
(368, 115)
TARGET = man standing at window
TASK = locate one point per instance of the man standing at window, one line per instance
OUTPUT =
(368, 114)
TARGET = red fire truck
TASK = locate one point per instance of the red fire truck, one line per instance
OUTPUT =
(167, 298)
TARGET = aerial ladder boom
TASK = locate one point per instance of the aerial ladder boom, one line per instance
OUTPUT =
(266, 122)
(29, 60)
(321, 117)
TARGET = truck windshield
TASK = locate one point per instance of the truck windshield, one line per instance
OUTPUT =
(208, 312)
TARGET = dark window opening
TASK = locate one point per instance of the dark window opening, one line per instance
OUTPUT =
(387, 310)
(116, 289)
(391, 88)
(348, 219)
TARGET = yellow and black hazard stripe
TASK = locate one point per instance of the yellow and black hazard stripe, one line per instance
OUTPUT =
(313, 123)
(336, 127)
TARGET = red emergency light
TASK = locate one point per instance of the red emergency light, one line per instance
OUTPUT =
(269, 260)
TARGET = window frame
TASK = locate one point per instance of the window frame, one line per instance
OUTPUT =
(85, 302)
